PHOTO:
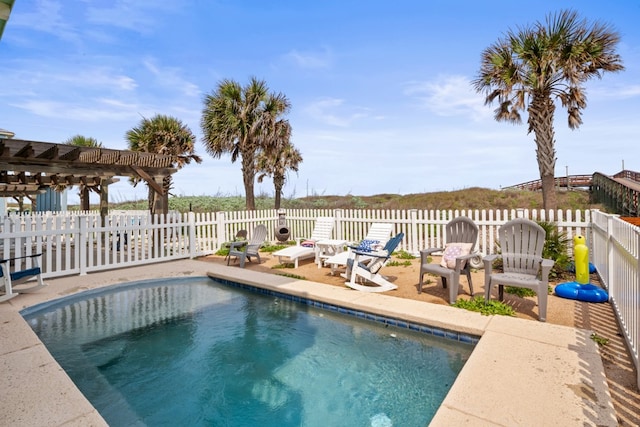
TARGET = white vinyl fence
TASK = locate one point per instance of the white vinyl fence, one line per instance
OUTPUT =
(79, 243)
(615, 252)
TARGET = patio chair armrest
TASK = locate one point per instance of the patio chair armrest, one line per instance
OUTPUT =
(546, 266)
(460, 260)
(424, 253)
(237, 245)
(468, 256)
(488, 261)
(375, 254)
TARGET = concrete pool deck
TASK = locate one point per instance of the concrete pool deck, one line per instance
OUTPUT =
(521, 372)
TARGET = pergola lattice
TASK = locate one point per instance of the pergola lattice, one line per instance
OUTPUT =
(27, 167)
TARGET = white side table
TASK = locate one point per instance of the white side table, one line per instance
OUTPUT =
(327, 248)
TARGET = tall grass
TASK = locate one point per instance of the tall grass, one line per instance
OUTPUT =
(470, 198)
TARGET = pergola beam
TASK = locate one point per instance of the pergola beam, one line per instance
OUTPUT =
(34, 165)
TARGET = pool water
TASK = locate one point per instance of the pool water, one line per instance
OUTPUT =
(196, 352)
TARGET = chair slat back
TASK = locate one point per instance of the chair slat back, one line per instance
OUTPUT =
(462, 230)
(323, 228)
(390, 246)
(379, 231)
(521, 244)
(258, 237)
(393, 243)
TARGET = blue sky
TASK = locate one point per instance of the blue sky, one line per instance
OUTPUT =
(380, 91)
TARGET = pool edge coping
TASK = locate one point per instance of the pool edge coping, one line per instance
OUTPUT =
(566, 364)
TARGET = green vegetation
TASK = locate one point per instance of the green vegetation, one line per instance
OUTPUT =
(293, 276)
(524, 292)
(601, 341)
(485, 308)
(405, 263)
(470, 198)
(521, 292)
(555, 248)
(403, 255)
(271, 248)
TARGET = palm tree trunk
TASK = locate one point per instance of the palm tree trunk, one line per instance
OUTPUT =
(541, 122)
(278, 183)
(248, 176)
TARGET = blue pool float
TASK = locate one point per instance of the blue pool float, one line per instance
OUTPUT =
(582, 292)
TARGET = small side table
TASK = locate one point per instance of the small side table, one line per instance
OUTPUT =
(327, 248)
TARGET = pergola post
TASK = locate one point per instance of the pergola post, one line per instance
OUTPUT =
(104, 199)
(160, 199)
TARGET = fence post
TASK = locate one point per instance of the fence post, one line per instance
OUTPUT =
(221, 234)
(610, 256)
(337, 214)
(191, 218)
(82, 245)
(413, 214)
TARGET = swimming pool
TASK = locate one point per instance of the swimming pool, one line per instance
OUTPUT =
(197, 352)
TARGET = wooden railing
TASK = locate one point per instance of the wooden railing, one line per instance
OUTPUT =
(627, 174)
(571, 181)
(615, 195)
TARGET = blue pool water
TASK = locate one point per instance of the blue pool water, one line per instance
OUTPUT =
(196, 352)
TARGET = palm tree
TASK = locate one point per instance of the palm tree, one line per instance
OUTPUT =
(275, 162)
(538, 65)
(83, 141)
(164, 135)
(242, 121)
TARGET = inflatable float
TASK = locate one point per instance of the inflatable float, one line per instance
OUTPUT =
(581, 289)
(582, 292)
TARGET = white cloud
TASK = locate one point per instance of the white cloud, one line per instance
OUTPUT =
(450, 96)
(333, 112)
(91, 111)
(135, 15)
(310, 60)
(170, 77)
(46, 17)
(619, 92)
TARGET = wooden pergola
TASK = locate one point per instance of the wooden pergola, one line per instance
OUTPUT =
(5, 11)
(29, 167)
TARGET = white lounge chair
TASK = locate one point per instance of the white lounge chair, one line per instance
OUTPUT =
(371, 272)
(9, 280)
(306, 248)
(379, 231)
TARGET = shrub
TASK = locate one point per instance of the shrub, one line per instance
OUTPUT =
(521, 292)
(268, 248)
(485, 308)
(293, 276)
(406, 263)
(555, 248)
(403, 255)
